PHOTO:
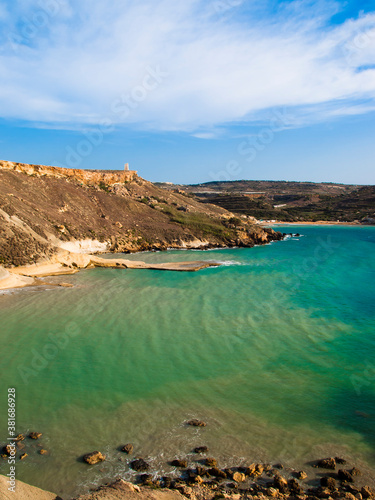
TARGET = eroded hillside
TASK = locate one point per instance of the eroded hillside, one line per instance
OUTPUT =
(41, 214)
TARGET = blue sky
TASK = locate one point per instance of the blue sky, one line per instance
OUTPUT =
(191, 91)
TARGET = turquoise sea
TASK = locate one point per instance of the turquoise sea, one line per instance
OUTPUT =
(275, 350)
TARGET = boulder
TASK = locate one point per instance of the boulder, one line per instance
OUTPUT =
(344, 475)
(145, 479)
(35, 435)
(328, 482)
(167, 482)
(367, 492)
(272, 492)
(20, 437)
(128, 449)
(93, 458)
(294, 487)
(239, 477)
(340, 460)
(327, 463)
(179, 463)
(6, 450)
(280, 483)
(201, 449)
(196, 423)
(43, 452)
(217, 473)
(301, 475)
(254, 470)
(355, 472)
(23, 456)
(201, 471)
(211, 462)
(139, 465)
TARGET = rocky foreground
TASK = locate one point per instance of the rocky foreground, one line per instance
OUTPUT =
(209, 482)
(203, 479)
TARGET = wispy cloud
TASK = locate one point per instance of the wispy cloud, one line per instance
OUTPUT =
(66, 63)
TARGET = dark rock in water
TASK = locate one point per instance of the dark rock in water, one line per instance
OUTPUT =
(43, 452)
(179, 463)
(229, 473)
(339, 460)
(328, 482)
(196, 423)
(167, 482)
(280, 483)
(35, 435)
(7, 450)
(367, 492)
(20, 445)
(201, 449)
(355, 472)
(211, 462)
(93, 458)
(201, 471)
(327, 463)
(145, 479)
(217, 473)
(128, 448)
(344, 475)
(139, 465)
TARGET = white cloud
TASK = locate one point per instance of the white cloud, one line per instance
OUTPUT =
(167, 66)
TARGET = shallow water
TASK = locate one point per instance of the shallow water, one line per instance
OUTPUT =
(275, 350)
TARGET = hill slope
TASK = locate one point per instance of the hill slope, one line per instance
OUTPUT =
(290, 201)
(41, 213)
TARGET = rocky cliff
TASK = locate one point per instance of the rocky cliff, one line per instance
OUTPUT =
(46, 209)
(84, 177)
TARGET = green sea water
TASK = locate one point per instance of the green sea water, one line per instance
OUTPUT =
(274, 349)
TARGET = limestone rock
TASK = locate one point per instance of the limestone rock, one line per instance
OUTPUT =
(128, 448)
(196, 423)
(35, 435)
(217, 473)
(201, 449)
(139, 465)
(301, 475)
(211, 462)
(328, 482)
(280, 483)
(239, 477)
(93, 458)
(344, 475)
(327, 463)
(179, 463)
(367, 492)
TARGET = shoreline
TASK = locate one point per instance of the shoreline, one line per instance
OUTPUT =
(204, 479)
(71, 263)
(317, 223)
